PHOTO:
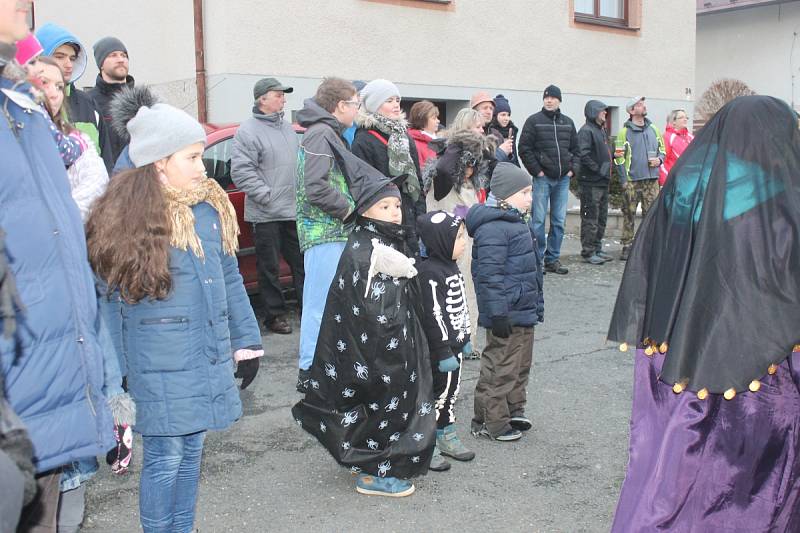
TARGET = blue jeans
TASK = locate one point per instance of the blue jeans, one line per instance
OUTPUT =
(169, 482)
(321, 262)
(555, 193)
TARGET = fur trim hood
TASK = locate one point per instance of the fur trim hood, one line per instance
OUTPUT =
(367, 120)
(463, 149)
(124, 106)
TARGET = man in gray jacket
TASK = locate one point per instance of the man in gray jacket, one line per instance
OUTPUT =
(263, 165)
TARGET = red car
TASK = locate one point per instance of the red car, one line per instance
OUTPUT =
(217, 158)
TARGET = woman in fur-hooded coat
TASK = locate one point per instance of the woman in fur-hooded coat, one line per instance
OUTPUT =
(451, 183)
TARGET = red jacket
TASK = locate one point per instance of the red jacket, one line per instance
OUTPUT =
(421, 140)
(675, 142)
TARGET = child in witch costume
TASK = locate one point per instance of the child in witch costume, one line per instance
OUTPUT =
(508, 282)
(446, 321)
(369, 400)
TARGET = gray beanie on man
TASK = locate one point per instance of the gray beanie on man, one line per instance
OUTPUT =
(160, 131)
(508, 179)
(104, 47)
(376, 92)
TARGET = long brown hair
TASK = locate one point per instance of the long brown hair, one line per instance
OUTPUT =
(128, 235)
(60, 119)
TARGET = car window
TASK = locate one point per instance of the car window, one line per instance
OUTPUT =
(217, 159)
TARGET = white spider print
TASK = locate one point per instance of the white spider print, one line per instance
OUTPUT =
(384, 424)
(350, 418)
(338, 318)
(396, 282)
(370, 227)
(384, 467)
(386, 379)
(364, 338)
(392, 405)
(413, 377)
(395, 437)
(356, 245)
(341, 283)
(383, 276)
(382, 319)
(330, 371)
(362, 371)
(371, 444)
(374, 406)
(348, 393)
(356, 310)
(322, 427)
(405, 333)
(356, 277)
(425, 409)
(314, 384)
(405, 394)
(393, 344)
(417, 436)
(341, 346)
(345, 445)
(408, 314)
(378, 290)
(415, 459)
(355, 470)
(299, 422)
(405, 417)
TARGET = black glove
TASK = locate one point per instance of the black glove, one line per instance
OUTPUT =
(501, 327)
(247, 370)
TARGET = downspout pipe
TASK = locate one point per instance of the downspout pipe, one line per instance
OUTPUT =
(200, 63)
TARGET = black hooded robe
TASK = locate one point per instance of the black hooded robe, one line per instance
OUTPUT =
(370, 398)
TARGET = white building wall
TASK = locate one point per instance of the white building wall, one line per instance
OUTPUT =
(514, 47)
(753, 45)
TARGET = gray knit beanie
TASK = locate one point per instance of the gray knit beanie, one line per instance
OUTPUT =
(160, 131)
(105, 46)
(376, 92)
(508, 179)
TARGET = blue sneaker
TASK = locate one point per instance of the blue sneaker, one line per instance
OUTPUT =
(383, 486)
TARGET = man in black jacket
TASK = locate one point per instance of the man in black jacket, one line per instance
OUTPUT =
(595, 171)
(548, 148)
(111, 57)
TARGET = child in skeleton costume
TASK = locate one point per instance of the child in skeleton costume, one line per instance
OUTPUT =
(370, 400)
(446, 321)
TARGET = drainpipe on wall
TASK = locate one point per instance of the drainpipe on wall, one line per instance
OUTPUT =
(200, 62)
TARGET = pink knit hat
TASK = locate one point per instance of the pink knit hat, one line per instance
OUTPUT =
(28, 48)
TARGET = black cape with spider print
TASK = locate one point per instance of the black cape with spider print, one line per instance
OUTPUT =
(370, 396)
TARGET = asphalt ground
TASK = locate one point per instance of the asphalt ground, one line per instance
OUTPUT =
(266, 474)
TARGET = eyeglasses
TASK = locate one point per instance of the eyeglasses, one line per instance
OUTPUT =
(352, 102)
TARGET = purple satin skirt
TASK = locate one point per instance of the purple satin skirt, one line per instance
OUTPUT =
(714, 464)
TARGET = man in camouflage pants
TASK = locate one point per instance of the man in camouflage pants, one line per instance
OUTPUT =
(639, 152)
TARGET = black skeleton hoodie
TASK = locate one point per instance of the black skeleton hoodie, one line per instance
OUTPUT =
(445, 317)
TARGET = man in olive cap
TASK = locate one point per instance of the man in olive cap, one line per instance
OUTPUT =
(263, 165)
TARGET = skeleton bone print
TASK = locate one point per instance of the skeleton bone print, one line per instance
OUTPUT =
(368, 381)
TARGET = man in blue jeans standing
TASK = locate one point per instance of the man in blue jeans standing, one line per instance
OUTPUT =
(548, 147)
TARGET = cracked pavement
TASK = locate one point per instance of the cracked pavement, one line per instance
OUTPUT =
(266, 474)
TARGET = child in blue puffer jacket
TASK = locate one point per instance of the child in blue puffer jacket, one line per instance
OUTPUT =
(508, 283)
(163, 239)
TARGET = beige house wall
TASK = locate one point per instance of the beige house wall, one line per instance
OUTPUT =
(516, 47)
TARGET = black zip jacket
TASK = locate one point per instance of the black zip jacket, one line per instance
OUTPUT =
(549, 143)
(101, 94)
(593, 148)
(84, 115)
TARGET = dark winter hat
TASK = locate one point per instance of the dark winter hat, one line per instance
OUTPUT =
(553, 91)
(438, 231)
(104, 47)
(359, 84)
(388, 190)
(264, 85)
(508, 179)
(501, 104)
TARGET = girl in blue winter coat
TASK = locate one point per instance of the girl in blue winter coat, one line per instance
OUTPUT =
(163, 239)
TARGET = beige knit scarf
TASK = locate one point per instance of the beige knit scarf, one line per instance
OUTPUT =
(179, 205)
